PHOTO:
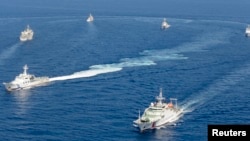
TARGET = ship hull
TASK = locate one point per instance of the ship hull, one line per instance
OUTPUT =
(23, 39)
(12, 86)
(26, 38)
(165, 26)
(167, 119)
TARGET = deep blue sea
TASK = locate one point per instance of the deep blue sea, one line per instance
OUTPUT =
(103, 73)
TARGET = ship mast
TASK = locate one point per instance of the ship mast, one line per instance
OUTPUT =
(160, 98)
(25, 68)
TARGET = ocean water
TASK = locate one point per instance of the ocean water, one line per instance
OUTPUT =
(103, 73)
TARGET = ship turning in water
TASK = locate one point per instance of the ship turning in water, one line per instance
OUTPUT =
(158, 114)
(26, 81)
(27, 34)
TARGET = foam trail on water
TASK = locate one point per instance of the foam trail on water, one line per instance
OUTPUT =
(201, 43)
(86, 73)
(145, 60)
(126, 62)
(8, 52)
(150, 57)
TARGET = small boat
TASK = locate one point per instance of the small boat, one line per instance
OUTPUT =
(164, 24)
(247, 32)
(25, 81)
(90, 18)
(27, 34)
(158, 114)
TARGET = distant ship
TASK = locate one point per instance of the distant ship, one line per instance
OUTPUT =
(27, 34)
(248, 31)
(90, 18)
(25, 81)
(164, 24)
(158, 114)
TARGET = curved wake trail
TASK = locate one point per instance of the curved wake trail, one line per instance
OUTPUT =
(8, 52)
(150, 57)
(126, 62)
(86, 73)
(217, 88)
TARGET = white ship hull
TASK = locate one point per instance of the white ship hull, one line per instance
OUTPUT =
(23, 39)
(26, 38)
(165, 26)
(89, 20)
(170, 116)
(12, 86)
